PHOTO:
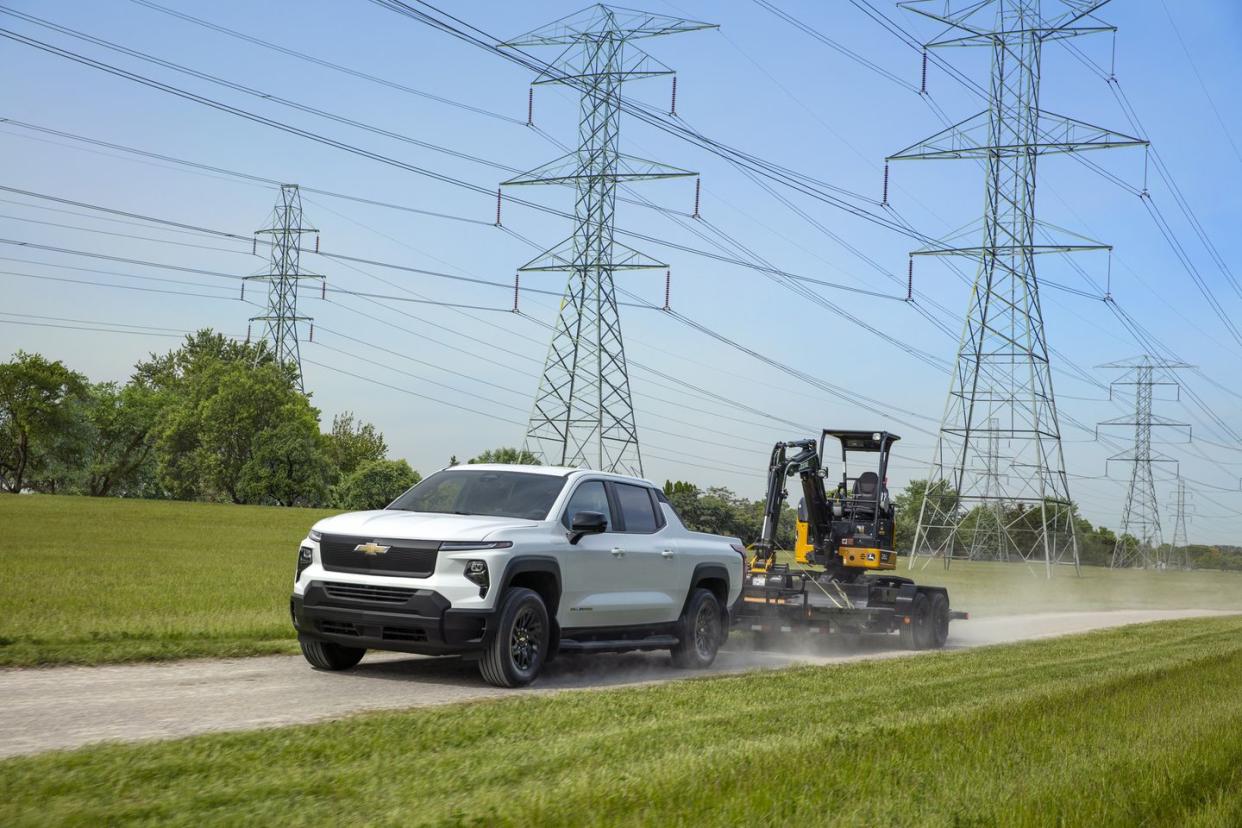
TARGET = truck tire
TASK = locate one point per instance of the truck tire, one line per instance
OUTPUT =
(519, 645)
(914, 633)
(938, 629)
(325, 655)
(699, 632)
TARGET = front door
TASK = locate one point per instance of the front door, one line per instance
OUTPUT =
(594, 582)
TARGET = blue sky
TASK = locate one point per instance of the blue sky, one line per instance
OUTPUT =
(757, 84)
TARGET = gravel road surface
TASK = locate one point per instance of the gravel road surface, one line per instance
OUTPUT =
(66, 707)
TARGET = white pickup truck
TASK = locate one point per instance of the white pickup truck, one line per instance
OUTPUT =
(510, 565)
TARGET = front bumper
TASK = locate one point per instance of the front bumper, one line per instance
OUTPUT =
(421, 622)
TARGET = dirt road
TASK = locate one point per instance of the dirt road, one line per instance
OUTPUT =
(66, 707)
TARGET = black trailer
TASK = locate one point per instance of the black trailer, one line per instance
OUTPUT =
(785, 602)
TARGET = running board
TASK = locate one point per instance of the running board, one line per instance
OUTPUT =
(654, 642)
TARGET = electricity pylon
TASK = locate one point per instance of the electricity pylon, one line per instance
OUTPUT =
(1002, 372)
(583, 414)
(1139, 542)
(281, 318)
(1178, 553)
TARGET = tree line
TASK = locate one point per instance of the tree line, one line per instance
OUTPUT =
(214, 420)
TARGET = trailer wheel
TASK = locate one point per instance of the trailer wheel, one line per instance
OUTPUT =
(914, 628)
(938, 629)
(700, 632)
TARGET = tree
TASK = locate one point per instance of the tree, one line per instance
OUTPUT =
(289, 464)
(721, 512)
(679, 487)
(120, 458)
(200, 352)
(351, 444)
(37, 404)
(375, 484)
(521, 457)
(226, 398)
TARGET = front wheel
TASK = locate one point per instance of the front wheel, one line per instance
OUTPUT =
(519, 644)
(700, 632)
(324, 655)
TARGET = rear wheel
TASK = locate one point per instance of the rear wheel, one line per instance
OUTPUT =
(938, 630)
(519, 645)
(700, 632)
(914, 628)
(324, 655)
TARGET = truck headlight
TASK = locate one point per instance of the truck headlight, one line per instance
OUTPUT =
(315, 536)
(476, 572)
(306, 556)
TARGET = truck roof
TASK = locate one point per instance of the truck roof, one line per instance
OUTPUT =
(557, 471)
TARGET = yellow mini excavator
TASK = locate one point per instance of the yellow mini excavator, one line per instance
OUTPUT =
(836, 581)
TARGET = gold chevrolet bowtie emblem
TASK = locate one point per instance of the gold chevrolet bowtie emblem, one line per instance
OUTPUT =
(371, 548)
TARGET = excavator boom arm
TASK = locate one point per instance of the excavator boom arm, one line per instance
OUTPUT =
(806, 464)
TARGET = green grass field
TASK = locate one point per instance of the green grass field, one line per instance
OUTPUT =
(1135, 726)
(93, 580)
(89, 580)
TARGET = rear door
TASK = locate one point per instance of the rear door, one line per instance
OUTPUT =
(652, 565)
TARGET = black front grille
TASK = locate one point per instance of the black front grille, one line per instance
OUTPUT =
(404, 558)
(337, 628)
(368, 592)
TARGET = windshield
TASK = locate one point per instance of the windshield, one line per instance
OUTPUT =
(479, 492)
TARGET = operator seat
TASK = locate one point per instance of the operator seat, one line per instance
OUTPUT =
(864, 495)
(866, 484)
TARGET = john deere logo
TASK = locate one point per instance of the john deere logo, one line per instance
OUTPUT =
(371, 548)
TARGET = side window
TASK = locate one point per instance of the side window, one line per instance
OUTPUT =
(637, 509)
(588, 497)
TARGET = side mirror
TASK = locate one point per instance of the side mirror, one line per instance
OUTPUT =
(586, 523)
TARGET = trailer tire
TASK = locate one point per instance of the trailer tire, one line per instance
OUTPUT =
(325, 655)
(914, 627)
(700, 633)
(938, 629)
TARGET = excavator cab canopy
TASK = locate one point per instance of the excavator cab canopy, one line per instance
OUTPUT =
(872, 481)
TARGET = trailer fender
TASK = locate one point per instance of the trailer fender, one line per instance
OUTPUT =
(905, 599)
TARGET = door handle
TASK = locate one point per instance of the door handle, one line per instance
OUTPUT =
(618, 552)
(667, 553)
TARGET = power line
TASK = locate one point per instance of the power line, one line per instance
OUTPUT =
(326, 63)
(767, 269)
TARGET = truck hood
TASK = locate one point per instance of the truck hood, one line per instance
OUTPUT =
(391, 523)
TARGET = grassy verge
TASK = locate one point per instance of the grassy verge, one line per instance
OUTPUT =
(95, 580)
(1140, 725)
(90, 580)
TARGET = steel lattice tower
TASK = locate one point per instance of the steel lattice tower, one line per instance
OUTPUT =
(583, 414)
(281, 320)
(1002, 371)
(1139, 541)
(1178, 554)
